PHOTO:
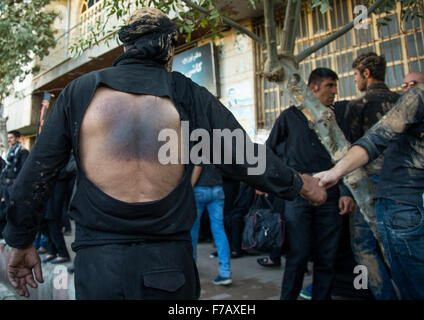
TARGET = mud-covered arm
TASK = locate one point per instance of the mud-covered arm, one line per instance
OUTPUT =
(406, 112)
(257, 165)
(35, 182)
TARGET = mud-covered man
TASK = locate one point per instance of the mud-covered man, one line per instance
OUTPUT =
(361, 114)
(133, 214)
(399, 194)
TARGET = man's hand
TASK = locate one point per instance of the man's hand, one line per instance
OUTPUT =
(346, 205)
(327, 179)
(311, 191)
(19, 269)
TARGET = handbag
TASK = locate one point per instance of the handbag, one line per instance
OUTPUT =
(264, 229)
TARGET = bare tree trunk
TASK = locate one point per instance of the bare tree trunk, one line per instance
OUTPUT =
(321, 119)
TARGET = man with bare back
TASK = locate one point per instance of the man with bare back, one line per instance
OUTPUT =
(133, 213)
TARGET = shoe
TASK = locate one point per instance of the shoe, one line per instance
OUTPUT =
(306, 293)
(42, 250)
(60, 260)
(49, 258)
(222, 281)
(213, 255)
(236, 254)
(267, 262)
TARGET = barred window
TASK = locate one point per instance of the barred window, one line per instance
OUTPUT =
(401, 42)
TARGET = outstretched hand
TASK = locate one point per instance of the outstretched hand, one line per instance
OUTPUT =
(311, 191)
(20, 267)
(327, 179)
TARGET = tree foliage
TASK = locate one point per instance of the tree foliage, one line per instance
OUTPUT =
(25, 32)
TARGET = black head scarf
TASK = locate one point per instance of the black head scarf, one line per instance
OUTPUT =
(148, 34)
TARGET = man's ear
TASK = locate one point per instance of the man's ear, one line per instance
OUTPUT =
(366, 73)
(313, 87)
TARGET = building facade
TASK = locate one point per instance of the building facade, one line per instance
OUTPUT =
(235, 58)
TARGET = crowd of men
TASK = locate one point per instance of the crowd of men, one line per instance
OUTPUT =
(130, 208)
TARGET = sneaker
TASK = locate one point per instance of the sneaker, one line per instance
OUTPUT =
(306, 293)
(222, 281)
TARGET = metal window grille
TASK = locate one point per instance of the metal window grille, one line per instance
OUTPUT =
(401, 42)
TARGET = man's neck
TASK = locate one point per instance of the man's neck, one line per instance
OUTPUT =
(371, 81)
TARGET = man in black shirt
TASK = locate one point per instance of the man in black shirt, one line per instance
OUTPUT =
(310, 228)
(361, 114)
(133, 213)
(15, 158)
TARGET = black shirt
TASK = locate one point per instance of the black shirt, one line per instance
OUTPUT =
(400, 133)
(209, 177)
(299, 146)
(102, 219)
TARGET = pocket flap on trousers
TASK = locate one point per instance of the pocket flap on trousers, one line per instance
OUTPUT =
(167, 280)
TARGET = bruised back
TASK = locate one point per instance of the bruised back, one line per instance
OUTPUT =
(119, 145)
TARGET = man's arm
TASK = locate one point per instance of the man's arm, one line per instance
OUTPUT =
(35, 182)
(260, 167)
(31, 190)
(407, 111)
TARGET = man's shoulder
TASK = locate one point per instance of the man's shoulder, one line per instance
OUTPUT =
(381, 93)
(23, 151)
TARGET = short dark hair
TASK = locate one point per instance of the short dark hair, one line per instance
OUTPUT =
(318, 74)
(16, 133)
(374, 63)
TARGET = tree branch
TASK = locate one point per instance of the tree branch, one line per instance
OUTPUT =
(271, 36)
(291, 23)
(227, 21)
(307, 52)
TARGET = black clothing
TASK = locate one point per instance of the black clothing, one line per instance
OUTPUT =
(299, 146)
(339, 112)
(234, 217)
(15, 161)
(101, 219)
(400, 134)
(309, 230)
(209, 177)
(361, 114)
(145, 270)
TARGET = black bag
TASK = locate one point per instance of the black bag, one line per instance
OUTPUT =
(264, 229)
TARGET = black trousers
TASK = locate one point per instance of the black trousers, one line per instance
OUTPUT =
(309, 230)
(54, 209)
(148, 271)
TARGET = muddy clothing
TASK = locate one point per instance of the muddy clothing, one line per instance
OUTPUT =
(399, 204)
(300, 148)
(361, 114)
(400, 133)
(101, 219)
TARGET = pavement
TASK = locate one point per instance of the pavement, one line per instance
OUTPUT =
(250, 280)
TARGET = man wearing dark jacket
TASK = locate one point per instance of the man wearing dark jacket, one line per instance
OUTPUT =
(361, 114)
(309, 229)
(133, 213)
(15, 158)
